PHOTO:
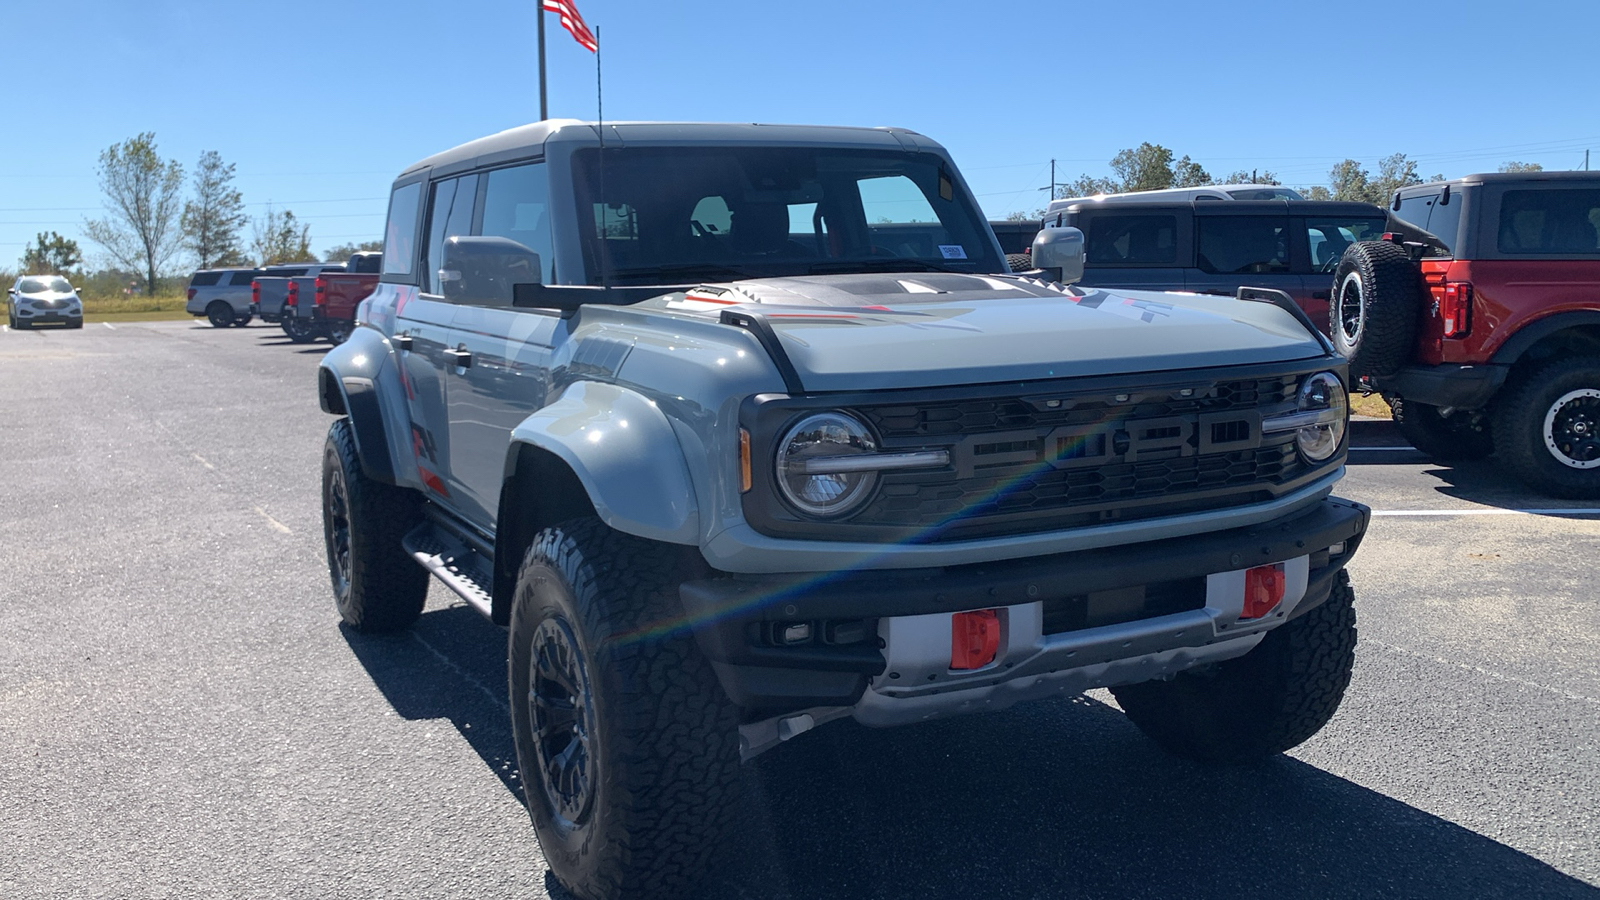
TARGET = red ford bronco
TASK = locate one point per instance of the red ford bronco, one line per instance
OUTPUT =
(1479, 321)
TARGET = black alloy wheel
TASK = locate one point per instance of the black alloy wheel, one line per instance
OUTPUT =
(561, 709)
(219, 314)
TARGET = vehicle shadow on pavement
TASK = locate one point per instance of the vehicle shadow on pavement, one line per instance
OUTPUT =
(450, 665)
(1068, 799)
(1055, 799)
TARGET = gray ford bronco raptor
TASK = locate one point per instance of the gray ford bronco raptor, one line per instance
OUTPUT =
(743, 429)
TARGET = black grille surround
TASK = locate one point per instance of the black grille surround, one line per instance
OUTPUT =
(1051, 455)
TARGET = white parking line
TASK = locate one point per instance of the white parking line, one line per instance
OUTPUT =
(1554, 511)
(108, 325)
(1402, 448)
(1480, 670)
(279, 526)
(208, 465)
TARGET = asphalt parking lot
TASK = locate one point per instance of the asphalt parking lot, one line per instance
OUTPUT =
(181, 714)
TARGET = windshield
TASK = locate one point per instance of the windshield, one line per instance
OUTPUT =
(668, 215)
(46, 283)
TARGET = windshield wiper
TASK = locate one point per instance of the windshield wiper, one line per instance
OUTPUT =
(893, 264)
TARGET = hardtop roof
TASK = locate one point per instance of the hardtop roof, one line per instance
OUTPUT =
(529, 140)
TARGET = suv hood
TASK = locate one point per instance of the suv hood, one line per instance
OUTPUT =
(903, 330)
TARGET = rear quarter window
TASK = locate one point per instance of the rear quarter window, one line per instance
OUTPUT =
(400, 236)
(1550, 222)
(1132, 240)
(204, 279)
(243, 278)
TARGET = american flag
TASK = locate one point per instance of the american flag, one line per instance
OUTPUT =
(572, 22)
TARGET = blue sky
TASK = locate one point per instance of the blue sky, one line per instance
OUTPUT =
(320, 104)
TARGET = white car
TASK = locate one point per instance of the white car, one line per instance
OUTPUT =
(43, 298)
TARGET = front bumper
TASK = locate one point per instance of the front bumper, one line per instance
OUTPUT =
(734, 615)
(60, 316)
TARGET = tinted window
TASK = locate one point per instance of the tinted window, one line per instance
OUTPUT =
(1438, 222)
(1132, 240)
(674, 215)
(1550, 221)
(399, 239)
(1242, 245)
(243, 277)
(449, 215)
(204, 279)
(516, 205)
(366, 263)
(285, 273)
(1330, 237)
(1263, 193)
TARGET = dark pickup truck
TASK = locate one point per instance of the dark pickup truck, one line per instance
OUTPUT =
(336, 295)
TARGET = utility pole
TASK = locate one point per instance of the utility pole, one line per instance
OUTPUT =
(1586, 160)
(1052, 187)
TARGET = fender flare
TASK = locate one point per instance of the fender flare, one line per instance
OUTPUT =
(624, 453)
(1536, 331)
(350, 383)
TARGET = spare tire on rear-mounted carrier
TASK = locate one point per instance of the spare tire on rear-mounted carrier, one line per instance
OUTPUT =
(1377, 300)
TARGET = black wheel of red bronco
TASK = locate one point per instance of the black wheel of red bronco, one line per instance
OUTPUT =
(627, 745)
(1020, 262)
(1262, 703)
(1377, 298)
(1547, 428)
(1459, 437)
(377, 586)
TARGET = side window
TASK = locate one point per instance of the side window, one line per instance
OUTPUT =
(449, 215)
(1132, 240)
(1242, 245)
(1552, 221)
(205, 279)
(1329, 238)
(243, 278)
(399, 239)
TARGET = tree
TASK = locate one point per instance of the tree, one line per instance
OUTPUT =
(142, 199)
(1188, 173)
(211, 221)
(51, 254)
(1349, 180)
(1147, 167)
(278, 237)
(1520, 167)
(1316, 192)
(1394, 173)
(345, 251)
(1254, 176)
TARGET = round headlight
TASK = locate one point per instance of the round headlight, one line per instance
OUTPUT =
(814, 464)
(1323, 393)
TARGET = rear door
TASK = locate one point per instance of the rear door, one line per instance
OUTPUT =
(1143, 248)
(1242, 248)
(509, 349)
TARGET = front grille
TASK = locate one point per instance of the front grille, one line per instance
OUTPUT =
(1063, 455)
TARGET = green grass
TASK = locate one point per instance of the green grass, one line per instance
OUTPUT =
(1369, 406)
(160, 303)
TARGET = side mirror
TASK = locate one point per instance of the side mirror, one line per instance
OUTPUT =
(482, 270)
(1059, 252)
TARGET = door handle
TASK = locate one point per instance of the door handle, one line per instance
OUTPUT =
(461, 356)
(403, 340)
(1320, 295)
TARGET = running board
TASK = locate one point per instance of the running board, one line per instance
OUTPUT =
(458, 567)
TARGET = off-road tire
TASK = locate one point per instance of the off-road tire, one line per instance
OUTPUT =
(661, 737)
(1020, 262)
(299, 330)
(1377, 300)
(338, 332)
(1262, 703)
(220, 314)
(1524, 410)
(377, 586)
(1462, 436)
(243, 320)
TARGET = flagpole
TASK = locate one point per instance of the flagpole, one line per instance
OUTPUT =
(544, 104)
